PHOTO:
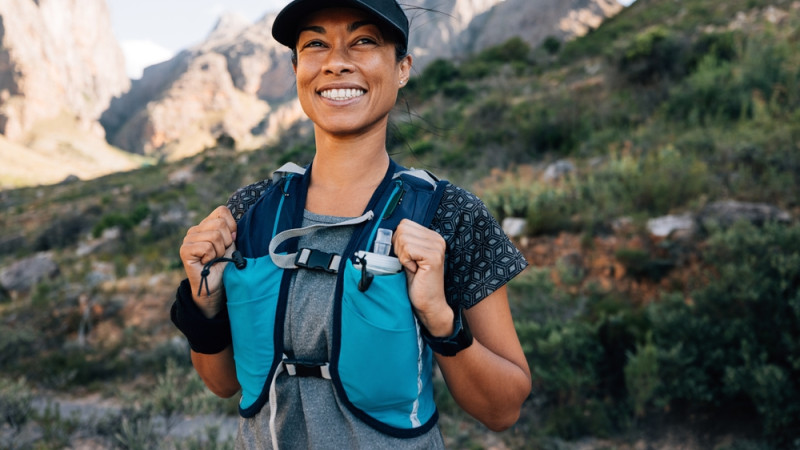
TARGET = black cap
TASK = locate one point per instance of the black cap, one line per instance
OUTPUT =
(388, 12)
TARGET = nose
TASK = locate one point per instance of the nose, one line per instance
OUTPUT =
(338, 61)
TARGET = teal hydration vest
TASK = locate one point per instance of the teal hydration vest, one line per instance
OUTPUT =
(380, 367)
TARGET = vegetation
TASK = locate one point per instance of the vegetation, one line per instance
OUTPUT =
(662, 110)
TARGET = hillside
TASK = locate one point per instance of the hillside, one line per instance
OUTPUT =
(677, 114)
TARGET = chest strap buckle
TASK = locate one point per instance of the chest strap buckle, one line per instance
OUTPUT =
(308, 258)
(299, 368)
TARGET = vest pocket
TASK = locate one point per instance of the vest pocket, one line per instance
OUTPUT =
(381, 358)
(252, 295)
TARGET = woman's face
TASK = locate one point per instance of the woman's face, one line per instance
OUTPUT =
(347, 71)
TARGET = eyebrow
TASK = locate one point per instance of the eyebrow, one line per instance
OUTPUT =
(350, 28)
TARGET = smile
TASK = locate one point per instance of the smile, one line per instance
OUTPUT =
(342, 94)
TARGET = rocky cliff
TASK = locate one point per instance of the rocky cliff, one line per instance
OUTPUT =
(56, 55)
(535, 20)
(60, 65)
(237, 82)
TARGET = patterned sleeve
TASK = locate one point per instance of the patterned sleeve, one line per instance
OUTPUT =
(480, 257)
(245, 197)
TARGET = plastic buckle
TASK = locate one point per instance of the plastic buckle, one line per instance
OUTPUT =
(308, 258)
(298, 368)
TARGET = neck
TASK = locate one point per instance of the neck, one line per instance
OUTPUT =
(339, 159)
(345, 173)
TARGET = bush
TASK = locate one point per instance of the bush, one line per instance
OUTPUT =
(125, 221)
(15, 403)
(551, 44)
(740, 338)
(654, 55)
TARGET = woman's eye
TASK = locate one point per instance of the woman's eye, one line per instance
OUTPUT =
(311, 44)
(365, 41)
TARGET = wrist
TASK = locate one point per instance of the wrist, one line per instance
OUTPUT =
(210, 305)
(450, 345)
(439, 324)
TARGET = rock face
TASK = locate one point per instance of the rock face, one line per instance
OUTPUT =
(230, 84)
(56, 56)
(535, 20)
(438, 28)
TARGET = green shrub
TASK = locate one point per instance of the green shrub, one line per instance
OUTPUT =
(641, 375)
(740, 339)
(550, 212)
(551, 44)
(563, 358)
(15, 403)
(654, 55)
(124, 221)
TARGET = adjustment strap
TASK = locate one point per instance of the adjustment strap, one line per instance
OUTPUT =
(289, 260)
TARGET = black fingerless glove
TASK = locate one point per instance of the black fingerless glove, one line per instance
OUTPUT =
(207, 336)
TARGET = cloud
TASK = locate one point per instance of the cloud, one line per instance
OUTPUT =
(142, 53)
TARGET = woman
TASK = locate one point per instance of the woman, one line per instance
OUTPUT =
(324, 294)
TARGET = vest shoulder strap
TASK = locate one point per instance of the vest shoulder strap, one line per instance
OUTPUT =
(286, 169)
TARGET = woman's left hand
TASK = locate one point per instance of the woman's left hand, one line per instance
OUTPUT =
(421, 252)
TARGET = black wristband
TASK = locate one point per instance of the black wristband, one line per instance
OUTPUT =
(207, 336)
(450, 345)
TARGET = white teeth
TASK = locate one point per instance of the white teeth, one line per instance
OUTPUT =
(342, 94)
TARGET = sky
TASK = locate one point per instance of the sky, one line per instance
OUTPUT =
(152, 31)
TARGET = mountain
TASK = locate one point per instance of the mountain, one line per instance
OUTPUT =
(60, 65)
(239, 81)
(234, 83)
(536, 20)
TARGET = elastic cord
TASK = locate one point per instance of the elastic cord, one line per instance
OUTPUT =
(236, 258)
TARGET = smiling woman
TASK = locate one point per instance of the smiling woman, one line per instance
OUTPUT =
(353, 275)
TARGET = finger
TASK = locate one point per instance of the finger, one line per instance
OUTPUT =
(210, 229)
(222, 212)
(197, 252)
(221, 239)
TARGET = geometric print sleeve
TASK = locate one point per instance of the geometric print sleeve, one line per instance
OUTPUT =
(245, 197)
(480, 257)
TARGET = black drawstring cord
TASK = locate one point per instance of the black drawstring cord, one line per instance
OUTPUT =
(236, 258)
(366, 277)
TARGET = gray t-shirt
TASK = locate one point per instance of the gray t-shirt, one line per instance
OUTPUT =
(309, 414)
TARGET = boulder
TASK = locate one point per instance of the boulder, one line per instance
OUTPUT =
(24, 274)
(558, 170)
(670, 225)
(726, 213)
(514, 226)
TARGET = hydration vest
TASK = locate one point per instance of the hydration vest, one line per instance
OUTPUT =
(379, 365)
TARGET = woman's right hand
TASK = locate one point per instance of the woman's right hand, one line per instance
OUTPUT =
(212, 238)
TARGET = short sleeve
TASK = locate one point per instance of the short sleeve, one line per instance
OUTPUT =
(245, 197)
(480, 257)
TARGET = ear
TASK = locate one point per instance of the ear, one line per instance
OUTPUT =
(404, 66)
